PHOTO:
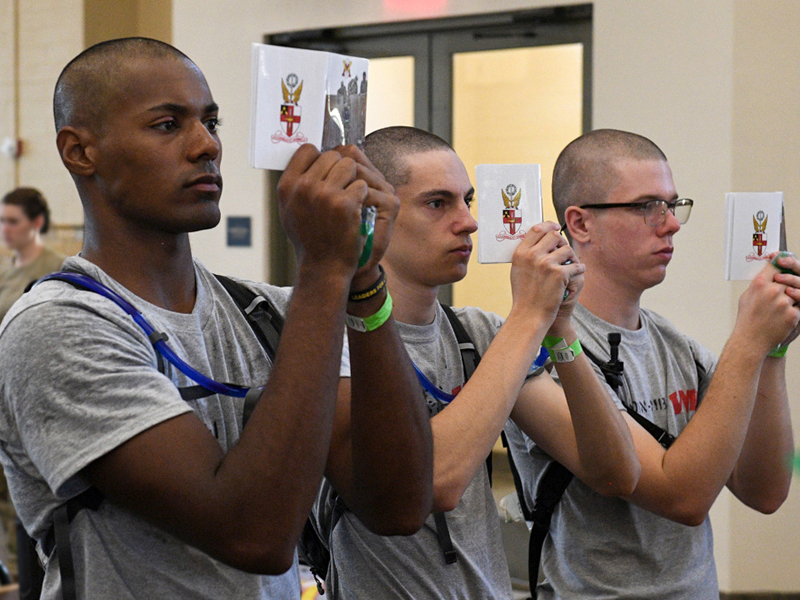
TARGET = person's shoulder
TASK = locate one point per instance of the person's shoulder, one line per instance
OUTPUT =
(278, 296)
(653, 319)
(478, 321)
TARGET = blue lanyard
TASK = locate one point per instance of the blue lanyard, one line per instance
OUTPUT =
(432, 389)
(446, 398)
(159, 340)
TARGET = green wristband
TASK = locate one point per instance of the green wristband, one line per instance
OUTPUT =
(779, 351)
(371, 322)
(559, 351)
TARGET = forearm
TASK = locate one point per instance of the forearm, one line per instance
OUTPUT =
(683, 482)
(466, 431)
(607, 460)
(762, 475)
(270, 478)
(391, 447)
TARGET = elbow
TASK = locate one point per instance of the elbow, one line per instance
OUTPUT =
(258, 557)
(619, 483)
(691, 514)
(447, 495)
(404, 515)
(769, 503)
(691, 519)
(399, 525)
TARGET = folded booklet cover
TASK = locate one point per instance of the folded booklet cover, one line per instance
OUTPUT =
(301, 96)
(509, 204)
(753, 225)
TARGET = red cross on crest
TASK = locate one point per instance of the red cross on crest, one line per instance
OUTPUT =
(511, 220)
(290, 118)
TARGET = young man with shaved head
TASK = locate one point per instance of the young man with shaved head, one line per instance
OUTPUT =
(194, 502)
(729, 418)
(458, 554)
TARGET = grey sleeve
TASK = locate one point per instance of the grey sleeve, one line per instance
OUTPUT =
(78, 382)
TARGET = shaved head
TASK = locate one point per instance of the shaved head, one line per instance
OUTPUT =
(586, 172)
(88, 84)
(388, 147)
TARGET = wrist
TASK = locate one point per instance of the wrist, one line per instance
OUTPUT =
(560, 350)
(778, 351)
(363, 279)
(363, 294)
(562, 328)
(373, 321)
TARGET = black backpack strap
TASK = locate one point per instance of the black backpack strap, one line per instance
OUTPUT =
(613, 372)
(443, 533)
(554, 482)
(58, 537)
(469, 359)
(315, 553)
(264, 319)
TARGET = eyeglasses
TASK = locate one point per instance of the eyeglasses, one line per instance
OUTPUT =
(655, 211)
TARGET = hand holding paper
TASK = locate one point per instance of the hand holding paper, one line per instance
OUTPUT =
(543, 266)
(319, 202)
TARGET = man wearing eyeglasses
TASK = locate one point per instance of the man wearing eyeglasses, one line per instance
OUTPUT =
(729, 418)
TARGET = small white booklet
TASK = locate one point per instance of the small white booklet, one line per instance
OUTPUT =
(509, 204)
(753, 222)
(301, 96)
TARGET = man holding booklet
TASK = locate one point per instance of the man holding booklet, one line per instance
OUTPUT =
(458, 554)
(728, 418)
(176, 496)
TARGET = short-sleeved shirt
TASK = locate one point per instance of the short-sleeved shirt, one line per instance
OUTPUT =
(78, 378)
(601, 547)
(367, 565)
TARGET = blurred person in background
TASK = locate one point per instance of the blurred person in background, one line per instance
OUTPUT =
(24, 217)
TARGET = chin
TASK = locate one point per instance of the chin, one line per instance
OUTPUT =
(209, 219)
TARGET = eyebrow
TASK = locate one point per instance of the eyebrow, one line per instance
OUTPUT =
(180, 109)
(446, 193)
(649, 197)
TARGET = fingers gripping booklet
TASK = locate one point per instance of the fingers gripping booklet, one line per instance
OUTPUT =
(301, 96)
(753, 230)
(509, 204)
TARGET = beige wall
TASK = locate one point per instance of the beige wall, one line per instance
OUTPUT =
(714, 83)
(37, 36)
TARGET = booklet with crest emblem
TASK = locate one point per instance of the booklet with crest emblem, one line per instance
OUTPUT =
(301, 96)
(753, 230)
(509, 203)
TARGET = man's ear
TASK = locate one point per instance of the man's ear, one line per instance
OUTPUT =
(577, 220)
(75, 145)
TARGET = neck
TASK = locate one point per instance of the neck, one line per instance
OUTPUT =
(157, 267)
(610, 301)
(29, 253)
(413, 303)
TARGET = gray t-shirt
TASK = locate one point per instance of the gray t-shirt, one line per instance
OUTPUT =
(602, 547)
(77, 379)
(366, 565)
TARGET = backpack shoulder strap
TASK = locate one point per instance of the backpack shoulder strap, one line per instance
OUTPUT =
(469, 353)
(265, 320)
(613, 372)
(469, 359)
